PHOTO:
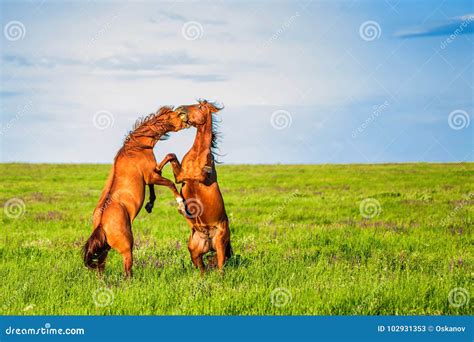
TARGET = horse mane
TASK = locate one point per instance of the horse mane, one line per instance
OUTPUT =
(216, 137)
(148, 122)
(149, 126)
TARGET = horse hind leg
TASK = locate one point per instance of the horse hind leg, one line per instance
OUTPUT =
(196, 258)
(221, 243)
(123, 243)
(197, 248)
(127, 262)
(120, 238)
(212, 261)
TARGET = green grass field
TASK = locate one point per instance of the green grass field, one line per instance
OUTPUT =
(302, 244)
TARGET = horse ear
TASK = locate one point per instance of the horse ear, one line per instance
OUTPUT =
(214, 108)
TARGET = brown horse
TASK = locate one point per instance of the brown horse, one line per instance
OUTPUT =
(204, 205)
(122, 198)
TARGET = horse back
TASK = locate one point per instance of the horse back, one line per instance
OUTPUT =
(103, 199)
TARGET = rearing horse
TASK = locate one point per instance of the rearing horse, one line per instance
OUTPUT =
(122, 198)
(205, 210)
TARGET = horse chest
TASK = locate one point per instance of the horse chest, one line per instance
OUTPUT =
(195, 164)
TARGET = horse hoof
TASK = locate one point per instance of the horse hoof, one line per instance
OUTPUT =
(182, 208)
(149, 207)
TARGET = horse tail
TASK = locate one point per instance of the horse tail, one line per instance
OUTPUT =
(104, 197)
(96, 248)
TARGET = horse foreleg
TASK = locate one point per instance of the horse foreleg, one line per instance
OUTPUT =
(151, 201)
(175, 166)
(169, 157)
(158, 179)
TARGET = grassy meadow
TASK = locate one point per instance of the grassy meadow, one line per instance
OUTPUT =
(389, 239)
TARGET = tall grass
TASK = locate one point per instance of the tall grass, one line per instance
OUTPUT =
(302, 246)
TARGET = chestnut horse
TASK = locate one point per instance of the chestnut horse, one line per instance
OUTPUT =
(122, 198)
(204, 205)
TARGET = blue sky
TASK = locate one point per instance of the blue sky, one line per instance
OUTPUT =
(302, 82)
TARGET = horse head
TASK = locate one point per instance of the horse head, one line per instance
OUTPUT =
(198, 114)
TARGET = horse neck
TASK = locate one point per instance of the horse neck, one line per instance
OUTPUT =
(147, 141)
(203, 139)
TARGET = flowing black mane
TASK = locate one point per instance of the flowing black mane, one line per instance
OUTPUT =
(215, 139)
